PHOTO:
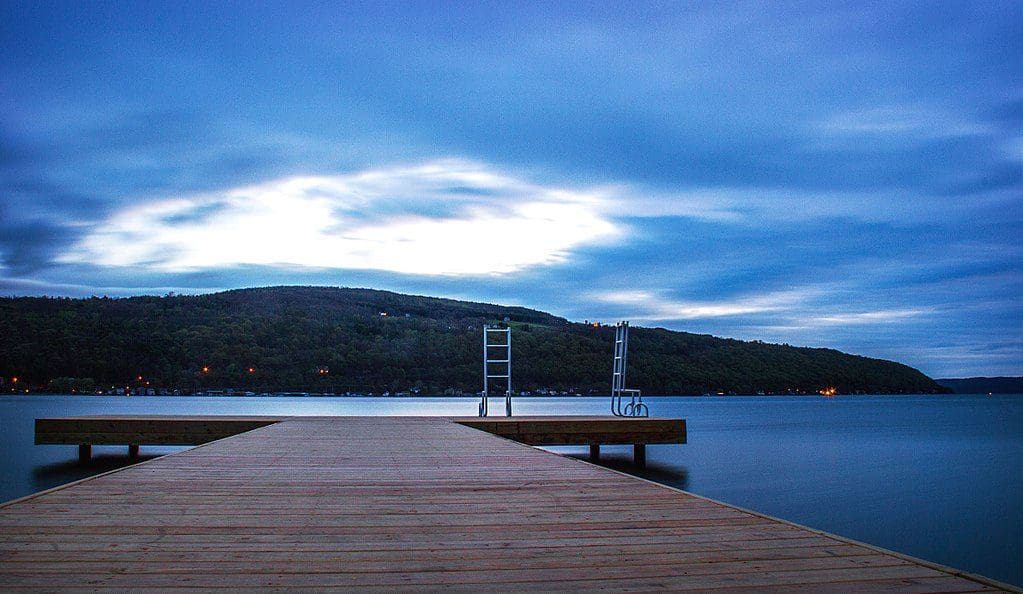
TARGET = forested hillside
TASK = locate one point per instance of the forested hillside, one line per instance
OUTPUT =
(358, 340)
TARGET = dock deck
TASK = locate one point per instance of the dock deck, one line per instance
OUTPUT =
(413, 504)
(137, 430)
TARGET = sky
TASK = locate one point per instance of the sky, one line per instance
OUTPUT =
(831, 174)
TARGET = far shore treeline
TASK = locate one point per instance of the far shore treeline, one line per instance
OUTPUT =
(334, 340)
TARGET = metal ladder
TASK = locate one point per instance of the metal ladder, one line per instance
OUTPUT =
(502, 358)
(635, 406)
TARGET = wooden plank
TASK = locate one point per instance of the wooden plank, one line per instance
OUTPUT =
(195, 430)
(581, 430)
(144, 430)
(341, 575)
(398, 504)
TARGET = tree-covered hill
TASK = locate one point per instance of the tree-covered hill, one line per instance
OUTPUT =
(360, 340)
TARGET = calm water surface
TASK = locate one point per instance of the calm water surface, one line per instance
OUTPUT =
(937, 477)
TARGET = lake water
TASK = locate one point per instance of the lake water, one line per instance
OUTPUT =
(936, 477)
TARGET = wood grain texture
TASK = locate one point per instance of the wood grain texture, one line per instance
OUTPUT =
(195, 430)
(145, 429)
(414, 504)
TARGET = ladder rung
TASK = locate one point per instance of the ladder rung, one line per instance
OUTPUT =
(497, 376)
(498, 345)
(498, 360)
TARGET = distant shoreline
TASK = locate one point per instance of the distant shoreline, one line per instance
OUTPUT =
(983, 385)
(477, 396)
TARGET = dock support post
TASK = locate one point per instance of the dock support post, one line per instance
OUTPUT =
(133, 450)
(639, 455)
(594, 452)
(84, 452)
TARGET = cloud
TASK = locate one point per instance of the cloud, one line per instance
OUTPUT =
(801, 313)
(447, 217)
(754, 206)
(911, 123)
(966, 356)
(650, 305)
(863, 317)
(29, 246)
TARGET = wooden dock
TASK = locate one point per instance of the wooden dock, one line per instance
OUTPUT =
(415, 504)
(137, 430)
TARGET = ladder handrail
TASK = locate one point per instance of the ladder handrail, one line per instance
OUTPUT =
(635, 406)
(487, 361)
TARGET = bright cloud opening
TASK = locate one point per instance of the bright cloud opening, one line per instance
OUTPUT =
(446, 217)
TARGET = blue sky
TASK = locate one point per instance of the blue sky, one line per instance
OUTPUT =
(845, 175)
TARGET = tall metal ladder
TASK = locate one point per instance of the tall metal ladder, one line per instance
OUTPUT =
(500, 358)
(619, 408)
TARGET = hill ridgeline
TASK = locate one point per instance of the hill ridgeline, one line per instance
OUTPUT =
(337, 340)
